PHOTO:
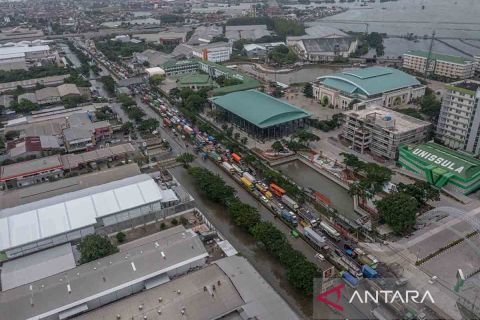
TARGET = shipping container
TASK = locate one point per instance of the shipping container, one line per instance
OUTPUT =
(249, 177)
(369, 272)
(246, 183)
(277, 190)
(236, 157)
(289, 202)
(227, 166)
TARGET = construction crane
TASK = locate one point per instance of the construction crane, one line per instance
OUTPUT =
(429, 56)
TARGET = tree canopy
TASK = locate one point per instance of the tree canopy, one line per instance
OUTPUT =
(399, 210)
(94, 246)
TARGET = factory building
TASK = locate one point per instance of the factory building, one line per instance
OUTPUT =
(68, 217)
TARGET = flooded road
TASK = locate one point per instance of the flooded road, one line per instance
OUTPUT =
(267, 266)
(307, 177)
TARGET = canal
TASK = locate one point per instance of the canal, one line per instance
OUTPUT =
(267, 266)
(305, 176)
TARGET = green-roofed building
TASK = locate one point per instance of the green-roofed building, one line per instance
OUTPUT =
(441, 65)
(196, 81)
(259, 114)
(374, 86)
(442, 167)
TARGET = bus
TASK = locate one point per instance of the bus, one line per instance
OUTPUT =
(331, 232)
(277, 190)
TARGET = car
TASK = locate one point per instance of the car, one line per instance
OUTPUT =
(401, 282)
(294, 233)
(264, 199)
(319, 257)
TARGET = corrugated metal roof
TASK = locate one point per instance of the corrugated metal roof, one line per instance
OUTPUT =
(369, 81)
(11, 50)
(67, 212)
(259, 108)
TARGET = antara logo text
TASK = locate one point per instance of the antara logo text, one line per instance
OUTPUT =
(386, 296)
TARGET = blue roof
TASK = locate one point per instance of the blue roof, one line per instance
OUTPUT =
(369, 81)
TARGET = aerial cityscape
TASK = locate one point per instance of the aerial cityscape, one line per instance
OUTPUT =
(240, 160)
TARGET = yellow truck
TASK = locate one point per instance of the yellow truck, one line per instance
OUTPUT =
(246, 183)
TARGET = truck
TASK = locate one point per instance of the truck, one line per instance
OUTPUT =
(236, 157)
(260, 187)
(349, 251)
(290, 217)
(249, 177)
(314, 237)
(332, 233)
(369, 272)
(167, 122)
(214, 156)
(289, 202)
(352, 267)
(349, 279)
(187, 130)
(268, 194)
(237, 168)
(367, 260)
(228, 166)
(279, 192)
(246, 183)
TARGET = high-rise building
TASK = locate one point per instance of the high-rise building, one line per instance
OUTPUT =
(459, 120)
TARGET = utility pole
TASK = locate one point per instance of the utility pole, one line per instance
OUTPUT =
(429, 56)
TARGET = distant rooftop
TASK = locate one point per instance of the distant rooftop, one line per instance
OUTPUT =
(21, 49)
(14, 170)
(469, 85)
(440, 57)
(259, 108)
(369, 81)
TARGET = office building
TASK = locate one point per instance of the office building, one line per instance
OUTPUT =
(381, 131)
(441, 65)
(379, 86)
(459, 120)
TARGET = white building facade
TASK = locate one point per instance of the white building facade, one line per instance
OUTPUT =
(459, 120)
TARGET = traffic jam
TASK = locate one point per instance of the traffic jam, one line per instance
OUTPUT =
(352, 262)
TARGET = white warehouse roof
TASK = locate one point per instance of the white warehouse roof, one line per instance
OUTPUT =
(12, 50)
(154, 71)
(71, 211)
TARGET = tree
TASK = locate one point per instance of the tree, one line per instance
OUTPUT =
(398, 210)
(12, 135)
(236, 136)
(304, 136)
(156, 80)
(108, 84)
(308, 90)
(120, 237)
(127, 127)
(174, 93)
(325, 101)
(277, 146)
(422, 191)
(185, 159)
(243, 215)
(94, 246)
(430, 106)
(244, 140)
(352, 161)
(148, 125)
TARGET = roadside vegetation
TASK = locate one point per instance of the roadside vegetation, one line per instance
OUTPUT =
(300, 272)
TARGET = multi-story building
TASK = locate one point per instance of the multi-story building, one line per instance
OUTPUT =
(215, 52)
(459, 120)
(380, 86)
(381, 131)
(441, 65)
(477, 63)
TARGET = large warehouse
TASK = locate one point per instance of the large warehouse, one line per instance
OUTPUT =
(44, 223)
(442, 167)
(379, 86)
(260, 114)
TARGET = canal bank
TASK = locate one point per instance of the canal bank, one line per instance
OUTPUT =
(265, 264)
